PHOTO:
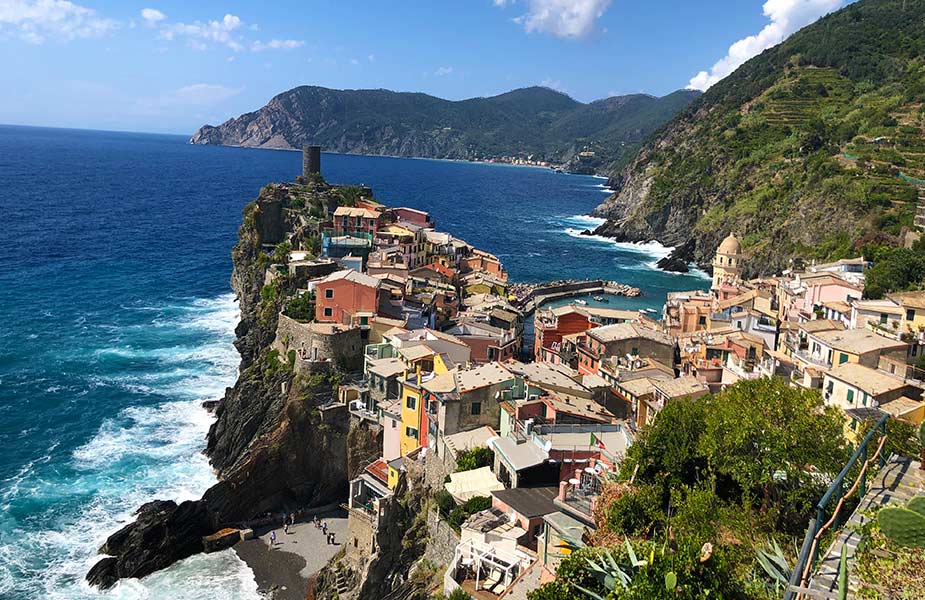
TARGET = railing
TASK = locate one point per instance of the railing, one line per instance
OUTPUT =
(809, 551)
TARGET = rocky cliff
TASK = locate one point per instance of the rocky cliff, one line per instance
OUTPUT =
(810, 149)
(533, 122)
(271, 444)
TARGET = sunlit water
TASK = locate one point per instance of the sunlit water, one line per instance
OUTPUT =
(117, 321)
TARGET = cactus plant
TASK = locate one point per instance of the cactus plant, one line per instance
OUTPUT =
(902, 526)
(917, 504)
(772, 560)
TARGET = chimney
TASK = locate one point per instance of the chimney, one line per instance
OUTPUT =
(311, 161)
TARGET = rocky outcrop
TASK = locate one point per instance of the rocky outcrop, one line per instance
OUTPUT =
(537, 122)
(277, 443)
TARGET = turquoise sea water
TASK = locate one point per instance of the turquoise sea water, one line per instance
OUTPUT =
(116, 321)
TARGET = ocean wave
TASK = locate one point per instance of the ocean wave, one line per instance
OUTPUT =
(141, 453)
(653, 248)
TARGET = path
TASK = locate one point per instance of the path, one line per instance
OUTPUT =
(896, 482)
(296, 556)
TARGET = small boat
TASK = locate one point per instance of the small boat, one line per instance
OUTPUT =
(581, 302)
(601, 299)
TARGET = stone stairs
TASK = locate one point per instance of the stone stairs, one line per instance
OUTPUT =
(897, 482)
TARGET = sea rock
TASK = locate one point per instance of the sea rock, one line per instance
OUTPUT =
(586, 232)
(222, 539)
(162, 534)
(673, 264)
(210, 405)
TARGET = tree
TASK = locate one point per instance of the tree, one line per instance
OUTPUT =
(766, 436)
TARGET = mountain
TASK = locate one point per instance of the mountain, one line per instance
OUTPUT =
(810, 149)
(535, 121)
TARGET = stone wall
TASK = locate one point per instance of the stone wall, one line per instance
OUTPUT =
(319, 342)
(441, 541)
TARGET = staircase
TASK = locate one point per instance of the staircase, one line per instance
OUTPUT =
(897, 482)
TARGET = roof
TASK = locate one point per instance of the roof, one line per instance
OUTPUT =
(730, 245)
(468, 484)
(379, 470)
(528, 502)
(615, 442)
(494, 521)
(577, 406)
(680, 387)
(467, 440)
(441, 384)
(909, 299)
(628, 331)
(519, 456)
(386, 367)
(883, 305)
(565, 524)
(353, 276)
(540, 373)
(416, 352)
(856, 341)
(737, 300)
(483, 376)
(901, 406)
(354, 211)
(638, 387)
(815, 326)
(869, 380)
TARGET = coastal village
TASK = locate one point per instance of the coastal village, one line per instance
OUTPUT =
(515, 441)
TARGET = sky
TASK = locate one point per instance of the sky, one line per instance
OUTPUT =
(170, 66)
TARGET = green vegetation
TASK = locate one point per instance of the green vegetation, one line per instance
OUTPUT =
(803, 149)
(894, 269)
(887, 569)
(531, 122)
(904, 525)
(711, 492)
(301, 307)
(455, 515)
(474, 458)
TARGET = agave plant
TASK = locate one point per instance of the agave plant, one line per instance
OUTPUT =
(774, 564)
(609, 573)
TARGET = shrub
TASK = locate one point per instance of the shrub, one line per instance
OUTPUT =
(475, 458)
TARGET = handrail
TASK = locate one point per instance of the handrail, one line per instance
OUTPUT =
(806, 561)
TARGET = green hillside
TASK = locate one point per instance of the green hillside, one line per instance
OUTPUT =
(535, 122)
(806, 150)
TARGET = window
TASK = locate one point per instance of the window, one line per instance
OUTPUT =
(883, 318)
(411, 432)
(842, 358)
(702, 320)
(476, 408)
(910, 314)
(411, 402)
(850, 396)
(328, 311)
(634, 351)
(329, 293)
(394, 423)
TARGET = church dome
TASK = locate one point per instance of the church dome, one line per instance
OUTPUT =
(730, 245)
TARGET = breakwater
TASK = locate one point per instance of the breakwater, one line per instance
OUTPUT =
(528, 296)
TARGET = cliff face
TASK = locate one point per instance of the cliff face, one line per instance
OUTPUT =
(275, 443)
(805, 150)
(537, 122)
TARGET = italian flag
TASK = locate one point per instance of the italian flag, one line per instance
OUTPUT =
(596, 442)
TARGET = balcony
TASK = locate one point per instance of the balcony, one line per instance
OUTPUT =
(813, 358)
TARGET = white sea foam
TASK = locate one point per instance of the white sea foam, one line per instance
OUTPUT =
(143, 453)
(653, 248)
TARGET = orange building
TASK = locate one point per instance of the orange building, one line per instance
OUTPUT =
(346, 297)
(551, 326)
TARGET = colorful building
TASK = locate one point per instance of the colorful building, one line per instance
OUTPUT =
(346, 297)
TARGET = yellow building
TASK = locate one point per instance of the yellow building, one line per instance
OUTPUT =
(423, 365)
(726, 264)
(913, 313)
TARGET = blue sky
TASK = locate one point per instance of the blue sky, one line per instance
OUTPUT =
(172, 66)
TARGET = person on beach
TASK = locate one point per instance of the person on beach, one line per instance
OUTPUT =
(333, 536)
(286, 527)
(273, 538)
(324, 527)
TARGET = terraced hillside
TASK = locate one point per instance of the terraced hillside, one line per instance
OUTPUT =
(813, 149)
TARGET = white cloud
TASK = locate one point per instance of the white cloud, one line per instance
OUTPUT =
(199, 34)
(354, 61)
(372, 58)
(561, 18)
(786, 16)
(34, 21)
(441, 71)
(152, 16)
(275, 44)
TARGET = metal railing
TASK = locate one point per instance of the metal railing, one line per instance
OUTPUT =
(809, 551)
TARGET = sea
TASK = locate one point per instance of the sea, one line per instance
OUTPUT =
(117, 321)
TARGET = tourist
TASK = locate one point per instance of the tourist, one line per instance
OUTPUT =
(333, 541)
(273, 538)
(324, 527)
(286, 527)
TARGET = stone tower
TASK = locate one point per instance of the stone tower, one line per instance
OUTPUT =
(727, 263)
(311, 161)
